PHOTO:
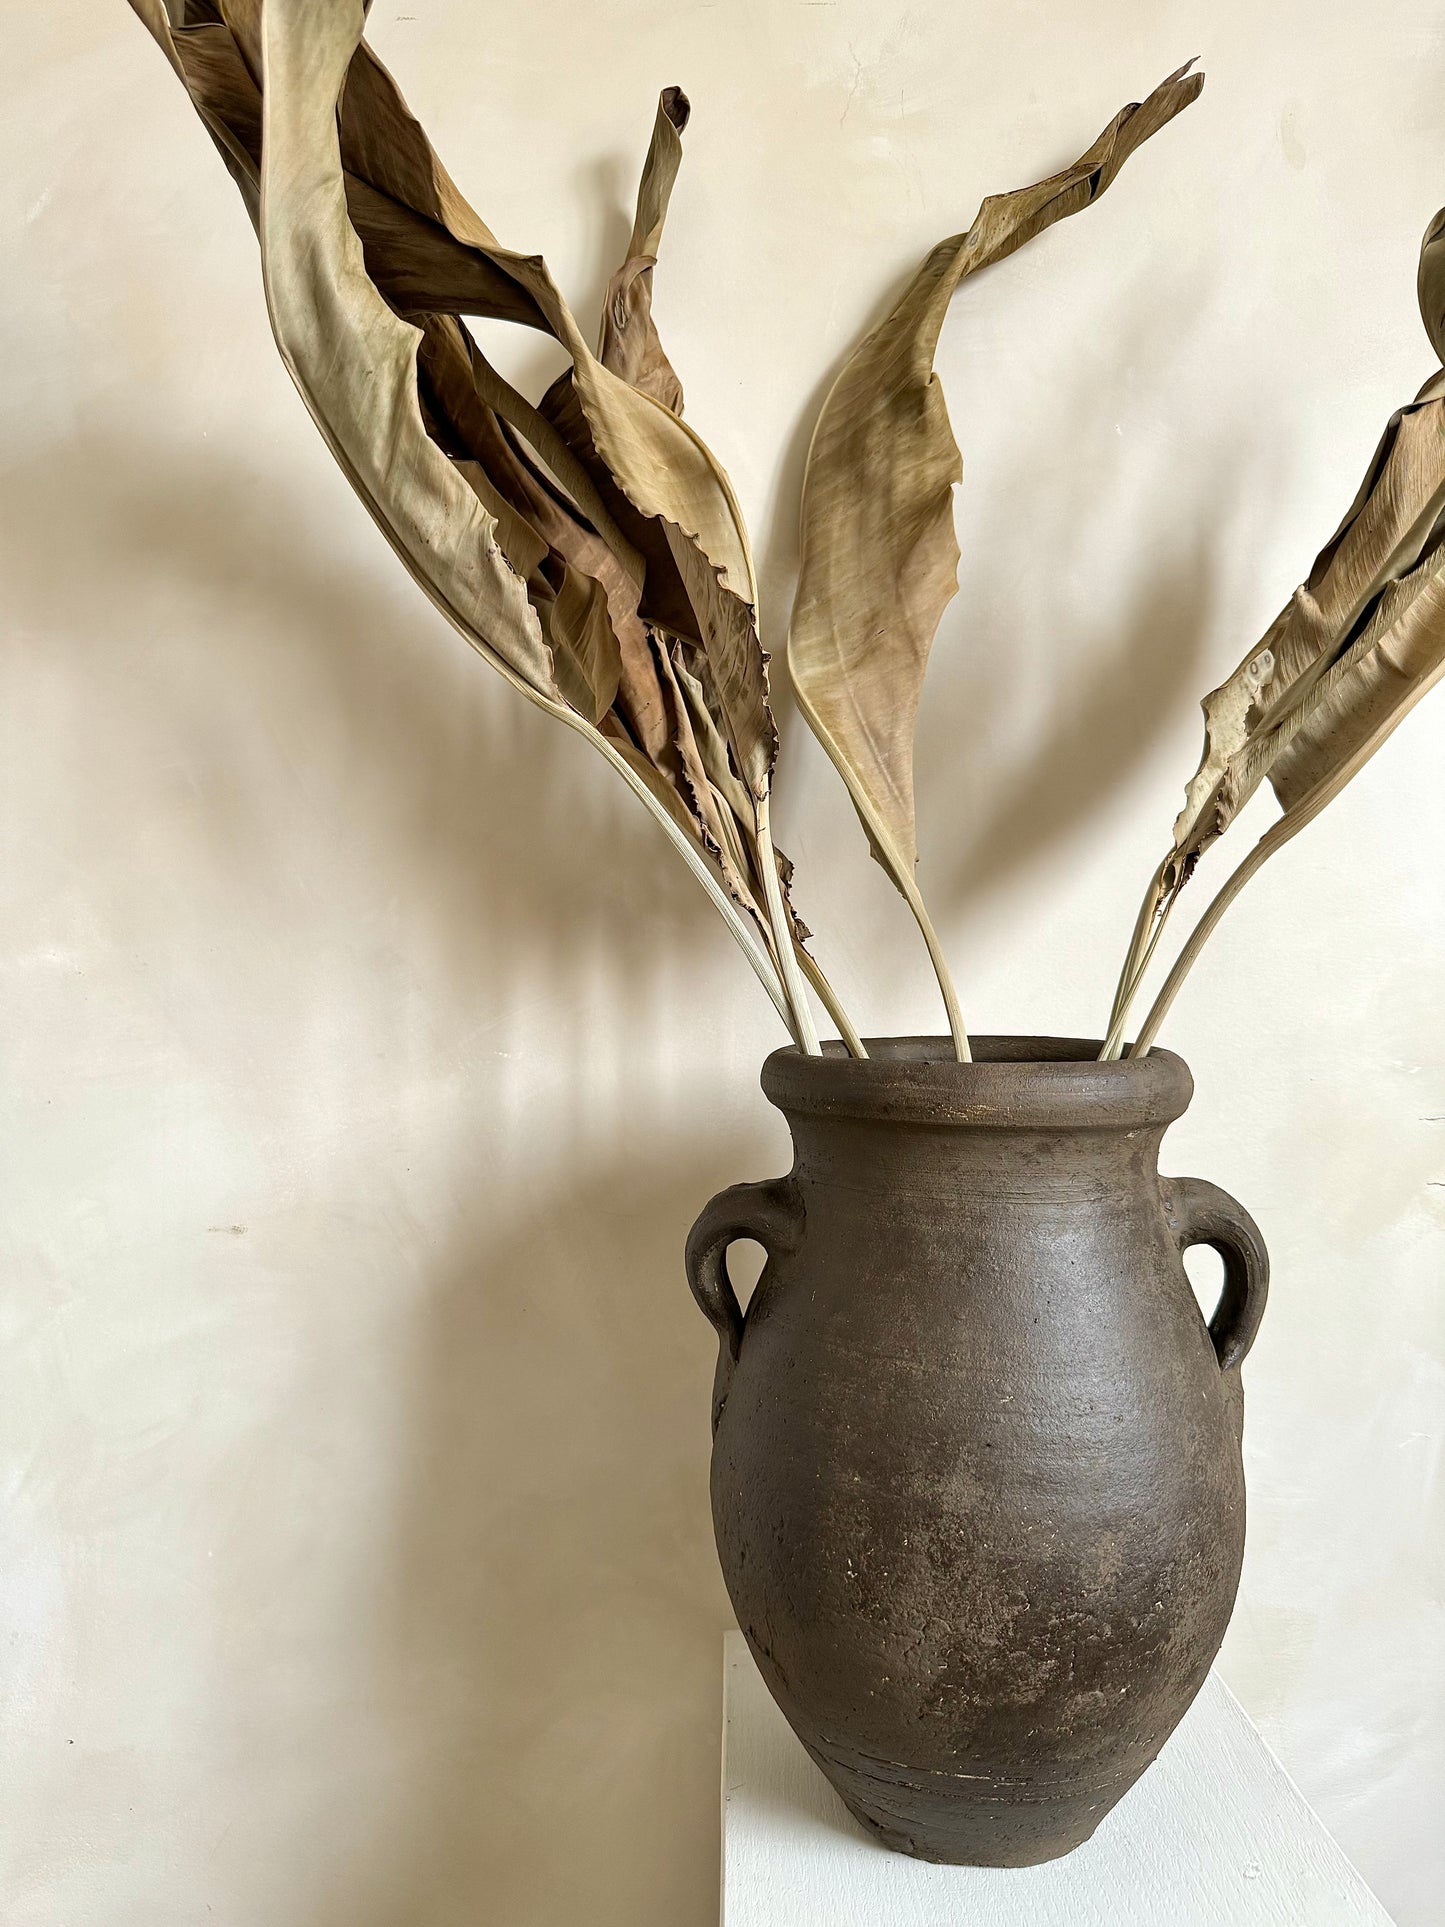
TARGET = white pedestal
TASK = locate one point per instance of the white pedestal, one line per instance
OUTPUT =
(1214, 1835)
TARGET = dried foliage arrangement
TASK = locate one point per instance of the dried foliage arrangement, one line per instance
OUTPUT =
(590, 546)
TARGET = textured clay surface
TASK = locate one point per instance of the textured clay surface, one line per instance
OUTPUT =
(976, 1475)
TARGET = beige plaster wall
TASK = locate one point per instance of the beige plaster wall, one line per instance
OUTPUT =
(366, 1055)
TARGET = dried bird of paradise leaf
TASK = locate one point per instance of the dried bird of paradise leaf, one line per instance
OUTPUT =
(1389, 524)
(1361, 700)
(1353, 650)
(879, 552)
(399, 245)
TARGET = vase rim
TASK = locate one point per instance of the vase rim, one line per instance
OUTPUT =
(1014, 1082)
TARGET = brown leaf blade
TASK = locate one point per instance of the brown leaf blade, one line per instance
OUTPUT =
(354, 362)
(1430, 283)
(431, 253)
(660, 464)
(1360, 642)
(1394, 519)
(363, 231)
(629, 344)
(879, 553)
(1397, 659)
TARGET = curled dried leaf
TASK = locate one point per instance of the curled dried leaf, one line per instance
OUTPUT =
(629, 343)
(1394, 661)
(1394, 519)
(363, 232)
(354, 361)
(1360, 642)
(1430, 283)
(879, 553)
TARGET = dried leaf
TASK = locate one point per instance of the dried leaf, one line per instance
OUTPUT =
(661, 466)
(879, 554)
(206, 58)
(690, 669)
(411, 255)
(737, 666)
(423, 234)
(686, 819)
(629, 343)
(1430, 283)
(571, 602)
(517, 539)
(1396, 659)
(664, 598)
(730, 794)
(674, 482)
(658, 462)
(640, 696)
(1351, 653)
(1394, 519)
(354, 361)
(362, 230)
(575, 621)
(728, 834)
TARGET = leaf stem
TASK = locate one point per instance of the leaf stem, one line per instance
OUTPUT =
(805, 1031)
(1201, 933)
(1304, 811)
(1148, 909)
(880, 842)
(1138, 969)
(957, 1029)
(828, 997)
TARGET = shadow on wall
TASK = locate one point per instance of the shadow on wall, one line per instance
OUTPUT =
(1103, 676)
(551, 1610)
(556, 1613)
(1122, 681)
(491, 805)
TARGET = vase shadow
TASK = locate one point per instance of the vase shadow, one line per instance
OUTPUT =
(554, 1635)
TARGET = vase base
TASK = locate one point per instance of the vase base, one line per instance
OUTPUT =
(985, 1843)
(1214, 1831)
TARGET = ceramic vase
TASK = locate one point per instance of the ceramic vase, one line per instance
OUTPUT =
(976, 1474)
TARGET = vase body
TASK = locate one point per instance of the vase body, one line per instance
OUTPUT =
(976, 1473)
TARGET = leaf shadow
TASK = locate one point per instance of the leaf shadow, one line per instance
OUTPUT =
(487, 805)
(546, 1651)
(555, 1614)
(1099, 677)
(1125, 677)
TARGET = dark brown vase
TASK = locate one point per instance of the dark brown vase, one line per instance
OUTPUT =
(976, 1473)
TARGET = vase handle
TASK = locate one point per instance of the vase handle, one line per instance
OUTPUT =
(772, 1214)
(1202, 1214)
